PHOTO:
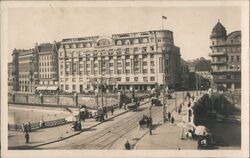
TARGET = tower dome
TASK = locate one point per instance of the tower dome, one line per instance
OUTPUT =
(218, 31)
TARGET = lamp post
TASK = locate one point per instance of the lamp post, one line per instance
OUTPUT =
(175, 101)
(164, 99)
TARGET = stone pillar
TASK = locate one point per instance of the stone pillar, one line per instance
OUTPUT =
(57, 99)
(13, 97)
(76, 99)
(41, 98)
(232, 87)
(27, 98)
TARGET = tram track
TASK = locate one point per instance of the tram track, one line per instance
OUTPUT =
(105, 138)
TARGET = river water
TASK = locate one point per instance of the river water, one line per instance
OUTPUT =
(227, 134)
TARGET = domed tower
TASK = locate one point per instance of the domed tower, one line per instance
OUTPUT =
(218, 34)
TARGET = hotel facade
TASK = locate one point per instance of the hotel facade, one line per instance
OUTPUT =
(226, 58)
(140, 60)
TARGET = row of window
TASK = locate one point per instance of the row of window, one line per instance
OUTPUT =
(46, 63)
(47, 57)
(47, 69)
(228, 50)
(117, 42)
(231, 58)
(47, 75)
(119, 64)
(118, 51)
(24, 82)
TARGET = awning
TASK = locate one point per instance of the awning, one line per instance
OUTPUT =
(136, 83)
(41, 88)
(52, 88)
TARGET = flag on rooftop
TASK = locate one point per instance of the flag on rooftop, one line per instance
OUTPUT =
(164, 17)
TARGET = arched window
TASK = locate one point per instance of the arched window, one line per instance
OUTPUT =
(136, 41)
(127, 42)
(119, 42)
(88, 45)
(144, 40)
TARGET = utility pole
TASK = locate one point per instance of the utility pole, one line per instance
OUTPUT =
(164, 99)
(175, 101)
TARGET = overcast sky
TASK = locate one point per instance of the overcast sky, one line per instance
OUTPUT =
(191, 25)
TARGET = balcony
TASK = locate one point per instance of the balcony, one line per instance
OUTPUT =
(218, 62)
(226, 71)
(217, 54)
(227, 80)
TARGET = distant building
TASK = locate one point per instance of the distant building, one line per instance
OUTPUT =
(47, 66)
(202, 67)
(10, 77)
(140, 60)
(25, 72)
(196, 74)
(226, 58)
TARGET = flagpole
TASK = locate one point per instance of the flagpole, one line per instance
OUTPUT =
(162, 26)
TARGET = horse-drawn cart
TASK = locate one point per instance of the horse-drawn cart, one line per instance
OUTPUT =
(145, 122)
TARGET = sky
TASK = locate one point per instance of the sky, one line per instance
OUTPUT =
(191, 26)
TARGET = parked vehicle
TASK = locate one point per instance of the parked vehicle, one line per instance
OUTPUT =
(155, 101)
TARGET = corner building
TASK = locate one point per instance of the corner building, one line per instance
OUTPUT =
(140, 60)
(47, 65)
(25, 70)
(226, 58)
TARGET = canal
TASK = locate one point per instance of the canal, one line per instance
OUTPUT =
(227, 134)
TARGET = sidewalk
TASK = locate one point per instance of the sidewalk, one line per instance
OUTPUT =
(167, 136)
(40, 137)
(44, 136)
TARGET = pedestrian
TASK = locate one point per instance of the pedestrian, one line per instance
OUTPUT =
(169, 116)
(189, 104)
(172, 119)
(112, 110)
(27, 137)
(199, 143)
(124, 105)
(127, 145)
(29, 127)
(23, 128)
(41, 122)
(84, 116)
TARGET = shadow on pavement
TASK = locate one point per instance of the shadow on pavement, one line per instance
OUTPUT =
(154, 126)
(88, 130)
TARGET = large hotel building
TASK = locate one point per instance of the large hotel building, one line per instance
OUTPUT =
(140, 60)
(226, 58)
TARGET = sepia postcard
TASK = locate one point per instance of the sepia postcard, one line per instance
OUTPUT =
(124, 79)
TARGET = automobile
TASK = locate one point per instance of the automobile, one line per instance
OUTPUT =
(132, 106)
(169, 96)
(155, 101)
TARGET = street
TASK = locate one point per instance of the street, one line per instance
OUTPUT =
(113, 134)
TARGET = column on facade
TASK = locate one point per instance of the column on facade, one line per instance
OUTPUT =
(140, 65)
(71, 67)
(84, 67)
(132, 66)
(115, 66)
(91, 67)
(99, 67)
(123, 66)
(77, 68)
(107, 66)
